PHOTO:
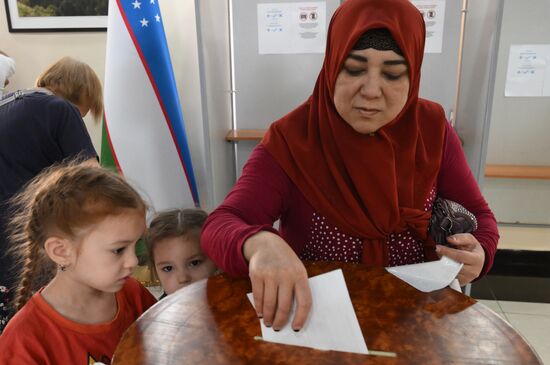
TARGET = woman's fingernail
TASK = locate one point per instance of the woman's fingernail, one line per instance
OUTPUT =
(296, 330)
(260, 316)
(276, 330)
(437, 249)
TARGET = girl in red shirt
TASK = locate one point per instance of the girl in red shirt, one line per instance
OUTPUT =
(77, 225)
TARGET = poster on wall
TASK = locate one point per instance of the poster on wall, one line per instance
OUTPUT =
(59, 15)
(285, 28)
(433, 12)
(528, 70)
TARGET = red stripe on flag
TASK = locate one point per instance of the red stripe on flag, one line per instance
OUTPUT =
(113, 153)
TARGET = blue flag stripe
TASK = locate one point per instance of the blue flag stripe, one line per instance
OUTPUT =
(144, 23)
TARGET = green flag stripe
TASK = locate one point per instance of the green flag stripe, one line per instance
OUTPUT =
(106, 156)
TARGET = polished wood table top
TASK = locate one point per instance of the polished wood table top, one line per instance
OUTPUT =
(212, 322)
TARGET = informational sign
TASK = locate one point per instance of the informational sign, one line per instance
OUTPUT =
(285, 28)
(433, 12)
(528, 70)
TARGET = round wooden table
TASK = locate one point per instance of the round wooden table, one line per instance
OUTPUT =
(212, 322)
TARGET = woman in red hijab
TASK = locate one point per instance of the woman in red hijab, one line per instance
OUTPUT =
(352, 173)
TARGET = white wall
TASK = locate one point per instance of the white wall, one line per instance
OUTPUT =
(520, 126)
(480, 45)
(214, 46)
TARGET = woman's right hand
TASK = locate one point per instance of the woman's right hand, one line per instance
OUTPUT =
(277, 276)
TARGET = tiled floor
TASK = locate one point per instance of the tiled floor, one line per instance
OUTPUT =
(532, 320)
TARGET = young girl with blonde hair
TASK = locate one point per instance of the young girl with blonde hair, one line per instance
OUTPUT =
(79, 224)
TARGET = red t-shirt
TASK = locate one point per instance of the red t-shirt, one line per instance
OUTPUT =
(38, 334)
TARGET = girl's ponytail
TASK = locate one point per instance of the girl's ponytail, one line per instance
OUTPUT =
(29, 255)
(27, 235)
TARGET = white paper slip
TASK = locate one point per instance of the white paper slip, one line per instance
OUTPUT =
(428, 276)
(332, 323)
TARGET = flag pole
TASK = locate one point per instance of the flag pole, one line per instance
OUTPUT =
(233, 90)
(454, 112)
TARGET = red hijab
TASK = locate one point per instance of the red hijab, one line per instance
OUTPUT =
(368, 186)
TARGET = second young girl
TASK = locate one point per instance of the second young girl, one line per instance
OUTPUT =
(175, 255)
(79, 224)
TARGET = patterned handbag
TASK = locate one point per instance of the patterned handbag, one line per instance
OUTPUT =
(448, 218)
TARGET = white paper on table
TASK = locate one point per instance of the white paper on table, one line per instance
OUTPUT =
(332, 323)
(428, 276)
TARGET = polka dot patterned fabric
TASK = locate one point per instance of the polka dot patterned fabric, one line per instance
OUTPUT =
(327, 243)
(4, 312)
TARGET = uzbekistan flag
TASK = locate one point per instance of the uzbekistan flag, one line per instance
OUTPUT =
(143, 130)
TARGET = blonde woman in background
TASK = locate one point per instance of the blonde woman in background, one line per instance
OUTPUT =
(39, 127)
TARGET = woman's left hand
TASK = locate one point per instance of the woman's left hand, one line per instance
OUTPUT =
(464, 248)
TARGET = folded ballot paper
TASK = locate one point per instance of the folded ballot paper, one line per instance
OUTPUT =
(332, 323)
(428, 276)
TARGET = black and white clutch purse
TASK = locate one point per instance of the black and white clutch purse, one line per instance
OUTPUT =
(449, 218)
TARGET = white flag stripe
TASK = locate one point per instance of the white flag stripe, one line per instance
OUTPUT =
(137, 127)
